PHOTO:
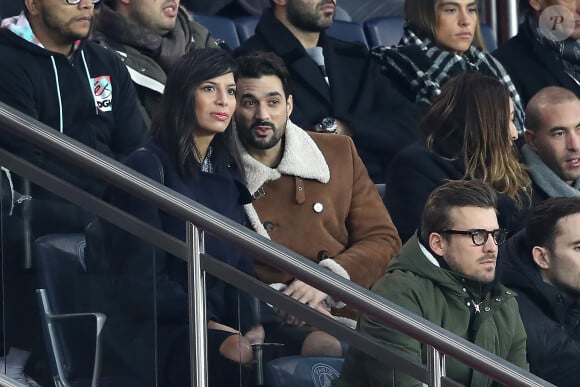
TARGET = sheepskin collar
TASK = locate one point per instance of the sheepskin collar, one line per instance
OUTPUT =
(301, 158)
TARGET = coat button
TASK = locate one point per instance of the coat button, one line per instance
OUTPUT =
(269, 226)
(498, 299)
(487, 308)
(508, 292)
(464, 290)
(318, 207)
(322, 254)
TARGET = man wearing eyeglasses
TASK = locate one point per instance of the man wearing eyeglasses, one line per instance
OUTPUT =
(542, 264)
(446, 274)
(49, 71)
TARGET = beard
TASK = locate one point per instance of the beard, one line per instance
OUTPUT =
(250, 140)
(64, 30)
(311, 21)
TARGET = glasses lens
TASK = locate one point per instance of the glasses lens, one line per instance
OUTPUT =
(479, 237)
(499, 236)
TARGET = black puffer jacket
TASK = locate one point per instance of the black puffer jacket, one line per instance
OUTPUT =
(551, 318)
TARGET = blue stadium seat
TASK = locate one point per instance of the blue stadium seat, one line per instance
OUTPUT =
(246, 26)
(349, 31)
(384, 30)
(302, 371)
(387, 31)
(221, 28)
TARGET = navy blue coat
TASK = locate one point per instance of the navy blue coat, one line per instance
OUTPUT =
(137, 266)
(551, 318)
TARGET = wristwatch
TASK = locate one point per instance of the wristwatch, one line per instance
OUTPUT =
(327, 125)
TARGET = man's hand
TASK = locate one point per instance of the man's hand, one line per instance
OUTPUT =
(308, 295)
(220, 327)
(256, 334)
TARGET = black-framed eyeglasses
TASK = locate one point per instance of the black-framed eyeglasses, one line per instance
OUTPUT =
(75, 2)
(480, 236)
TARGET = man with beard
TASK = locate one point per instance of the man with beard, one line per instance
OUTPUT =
(336, 86)
(542, 264)
(50, 72)
(552, 150)
(445, 274)
(149, 36)
(311, 194)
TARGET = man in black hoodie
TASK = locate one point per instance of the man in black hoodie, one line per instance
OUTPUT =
(49, 71)
(542, 264)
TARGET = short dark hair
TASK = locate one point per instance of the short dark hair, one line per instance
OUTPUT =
(173, 125)
(454, 193)
(260, 63)
(542, 228)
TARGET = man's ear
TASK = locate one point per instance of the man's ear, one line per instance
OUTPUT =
(541, 257)
(281, 3)
(32, 7)
(289, 104)
(537, 5)
(437, 244)
(530, 137)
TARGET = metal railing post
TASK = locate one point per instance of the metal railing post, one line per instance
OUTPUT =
(511, 11)
(197, 311)
(435, 366)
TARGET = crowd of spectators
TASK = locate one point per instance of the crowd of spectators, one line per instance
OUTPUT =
(288, 135)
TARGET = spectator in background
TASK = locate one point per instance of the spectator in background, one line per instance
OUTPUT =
(189, 153)
(50, 72)
(542, 264)
(446, 274)
(441, 39)
(335, 85)
(470, 134)
(362, 10)
(311, 191)
(552, 152)
(237, 8)
(228, 8)
(149, 37)
(535, 58)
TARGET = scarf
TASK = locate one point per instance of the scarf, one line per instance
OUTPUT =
(165, 50)
(568, 51)
(421, 64)
(546, 179)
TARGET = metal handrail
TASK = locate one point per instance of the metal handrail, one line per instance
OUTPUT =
(271, 253)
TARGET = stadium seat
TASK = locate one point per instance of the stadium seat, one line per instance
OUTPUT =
(302, 371)
(387, 31)
(384, 31)
(221, 28)
(72, 333)
(246, 26)
(349, 31)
